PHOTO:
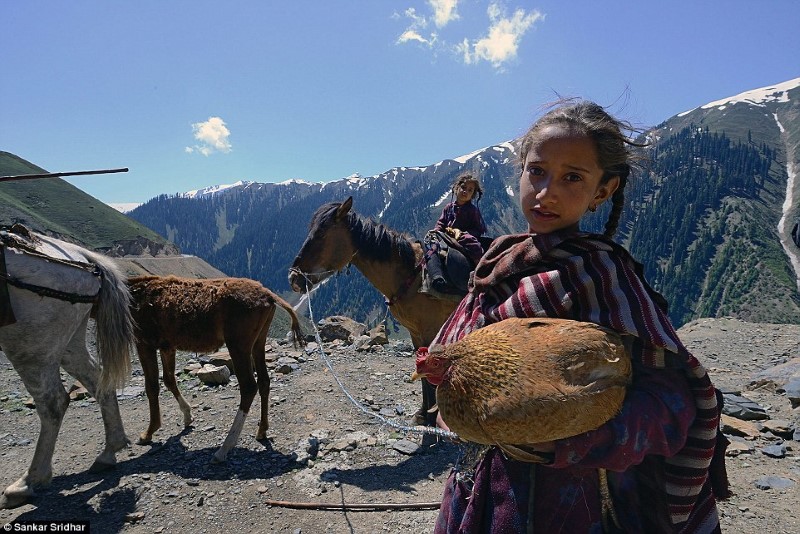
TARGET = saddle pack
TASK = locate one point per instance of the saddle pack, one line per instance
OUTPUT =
(446, 268)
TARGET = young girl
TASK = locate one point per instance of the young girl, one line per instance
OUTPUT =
(462, 215)
(648, 468)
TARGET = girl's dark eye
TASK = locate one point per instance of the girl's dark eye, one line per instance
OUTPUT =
(536, 171)
(574, 177)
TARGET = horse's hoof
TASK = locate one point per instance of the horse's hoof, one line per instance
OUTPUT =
(14, 500)
(99, 467)
(428, 441)
(217, 459)
(144, 440)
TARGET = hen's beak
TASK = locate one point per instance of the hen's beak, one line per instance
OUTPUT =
(415, 375)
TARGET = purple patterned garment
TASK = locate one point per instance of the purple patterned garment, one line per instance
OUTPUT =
(657, 450)
(467, 218)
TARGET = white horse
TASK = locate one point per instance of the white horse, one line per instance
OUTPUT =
(52, 288)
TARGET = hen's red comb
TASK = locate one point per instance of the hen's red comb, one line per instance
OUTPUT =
(422, 355)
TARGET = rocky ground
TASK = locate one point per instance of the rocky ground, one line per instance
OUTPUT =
(322, 448)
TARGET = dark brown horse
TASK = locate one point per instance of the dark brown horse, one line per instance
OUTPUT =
(388, 259)
(201, 315)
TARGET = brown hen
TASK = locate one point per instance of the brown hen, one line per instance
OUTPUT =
(524, 381)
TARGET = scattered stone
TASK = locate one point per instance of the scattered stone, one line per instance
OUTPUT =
(134, 517)
(286, 365)
(78, 392)
(307, 449)
(130, 392)
(192, 368)
(739, 446)
(221, 358)
(774, 482)
(792, 391)
(743, 408)
(339, 327)
(343, 444)
(406, 447)
(737, 427)
(779, 427)
(780, 375)
(775, 451)
(214, 375)
(377, 336)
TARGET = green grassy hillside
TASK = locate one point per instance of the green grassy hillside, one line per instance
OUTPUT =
(56, 207)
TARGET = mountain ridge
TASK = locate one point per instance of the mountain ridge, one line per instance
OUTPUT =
(717, 185)
(708, 214)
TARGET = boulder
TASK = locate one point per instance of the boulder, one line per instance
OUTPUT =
(214, 375)
(340, 327)
(377, 336)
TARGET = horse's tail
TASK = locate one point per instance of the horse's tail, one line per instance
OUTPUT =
(115, 328)
(297, 333)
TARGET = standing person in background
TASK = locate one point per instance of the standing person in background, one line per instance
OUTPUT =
(649, 469)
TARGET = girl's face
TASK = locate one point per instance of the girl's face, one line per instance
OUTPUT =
(561, 180)
(465, 192)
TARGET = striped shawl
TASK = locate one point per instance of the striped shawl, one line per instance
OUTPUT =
(587, 277)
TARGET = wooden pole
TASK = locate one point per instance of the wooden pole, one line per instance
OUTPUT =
(354, 507)
(58, 174)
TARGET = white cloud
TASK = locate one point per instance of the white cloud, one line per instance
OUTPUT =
(212, 136)
(498, 46)
(411, 35)
(444, 11)
(503, 36)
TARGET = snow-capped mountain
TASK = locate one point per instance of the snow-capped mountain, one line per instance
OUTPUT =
(707, 214)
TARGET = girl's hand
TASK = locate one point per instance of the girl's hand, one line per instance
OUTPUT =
(440, 422)
(455, 233)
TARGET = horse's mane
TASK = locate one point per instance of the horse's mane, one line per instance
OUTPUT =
(373, 240)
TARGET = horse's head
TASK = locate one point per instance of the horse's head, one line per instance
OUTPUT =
(328, 247)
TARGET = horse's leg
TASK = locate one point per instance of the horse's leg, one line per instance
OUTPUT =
(168, 369)
(426, 415)
(429, 403)
(422, 415)
(149, 361)
(77, 362)
(242, 364)
(42, 379)
(263, 374)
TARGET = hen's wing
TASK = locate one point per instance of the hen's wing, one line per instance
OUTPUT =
(553, 378)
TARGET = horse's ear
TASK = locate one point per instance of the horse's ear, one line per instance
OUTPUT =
(344, 208)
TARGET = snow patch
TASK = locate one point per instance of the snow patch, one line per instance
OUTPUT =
(214, 189)
(442, 199)
(755, 97)
(124, 207)
(294, 181)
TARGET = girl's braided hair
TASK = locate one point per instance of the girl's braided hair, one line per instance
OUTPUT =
(613, 146)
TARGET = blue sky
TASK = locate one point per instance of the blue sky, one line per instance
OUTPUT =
(188, 94)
